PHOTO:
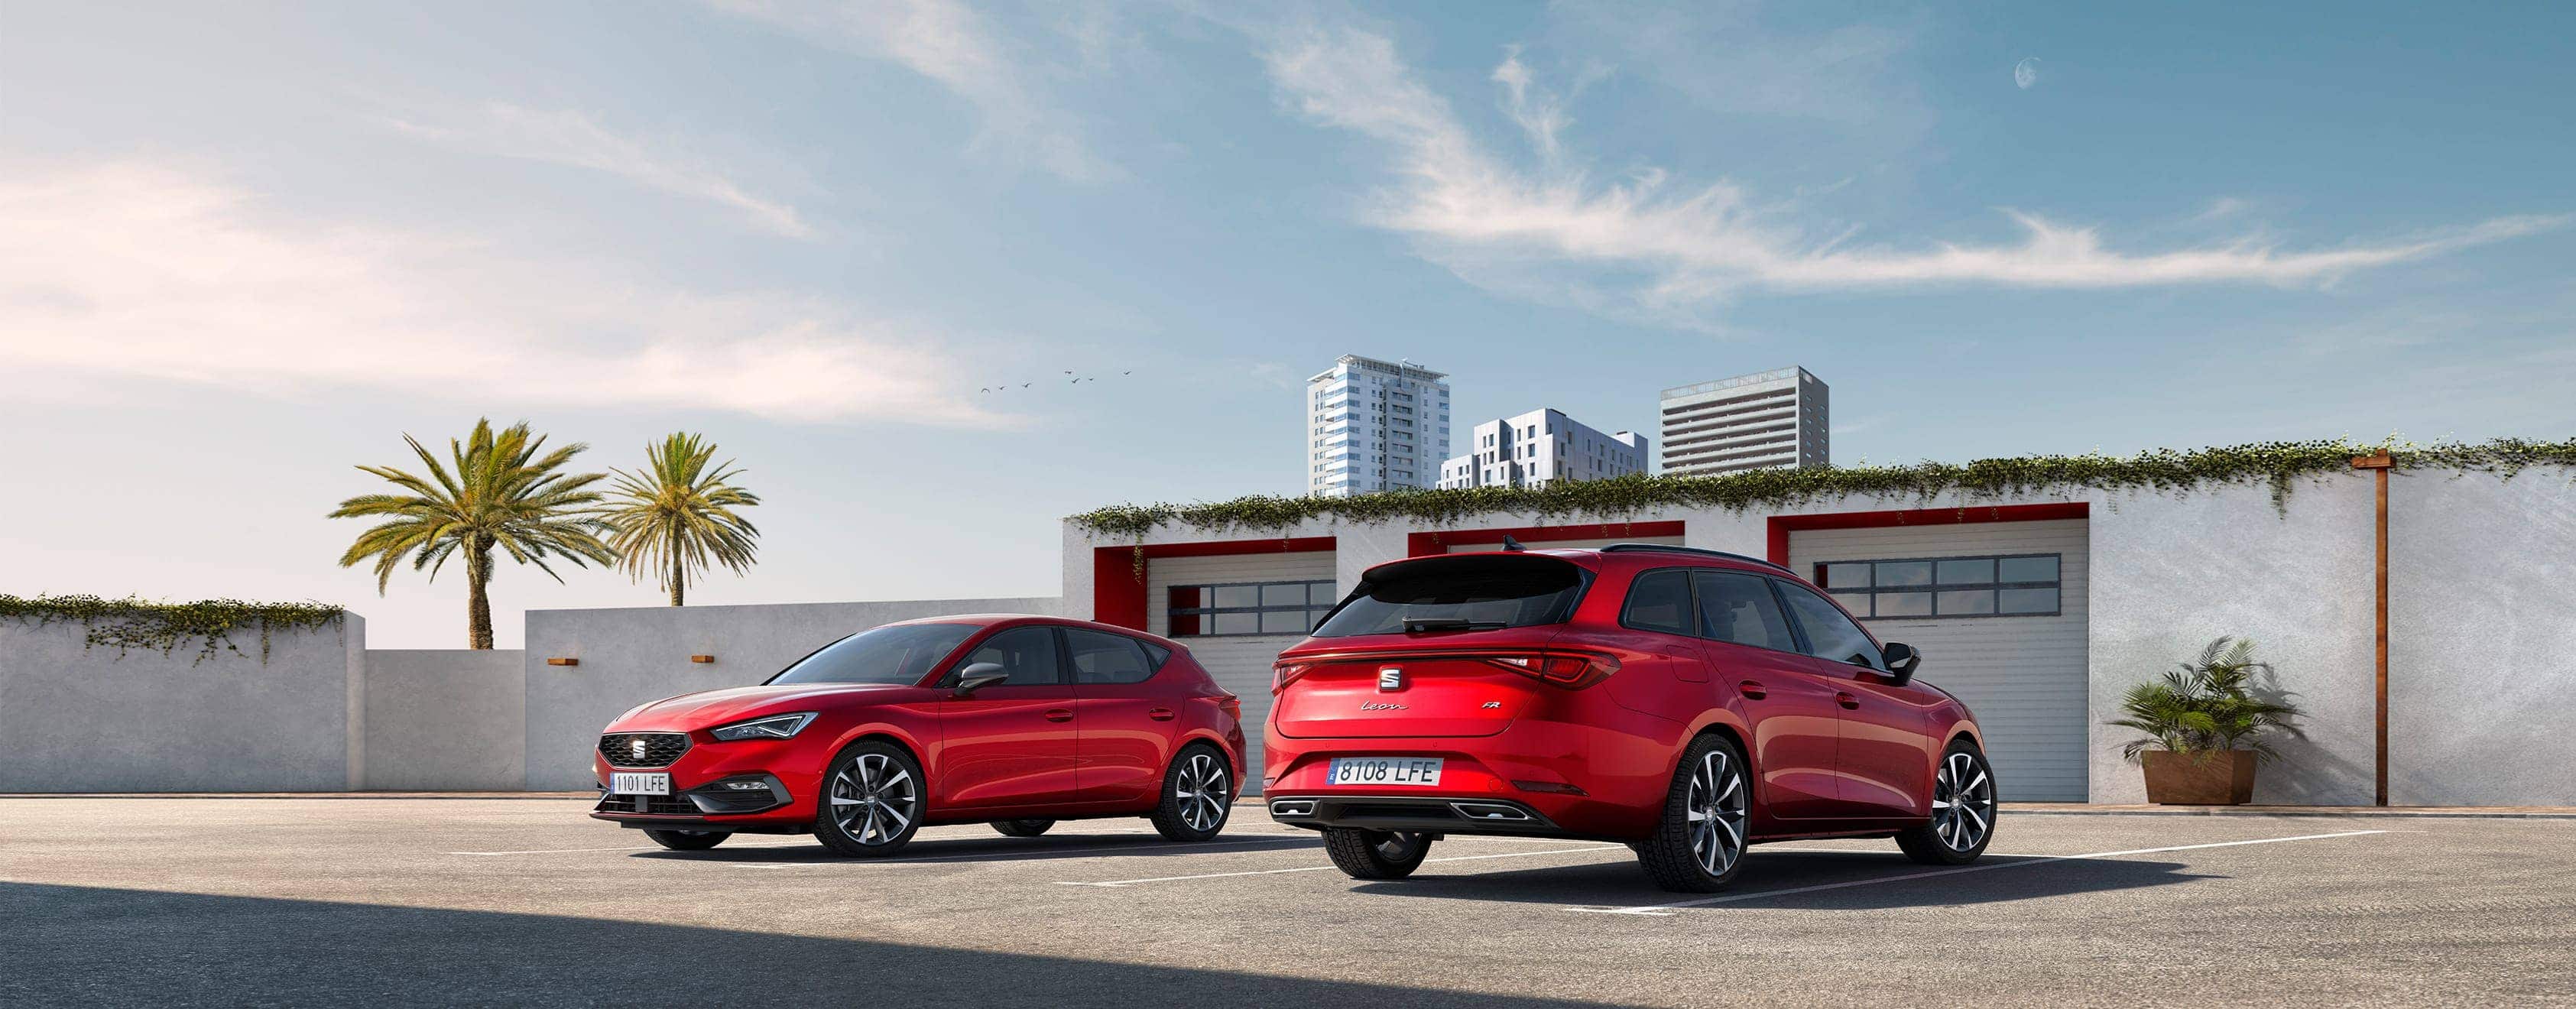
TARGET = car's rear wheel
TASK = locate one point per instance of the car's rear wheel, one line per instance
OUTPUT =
(1698, 844)
(1023, 828)
(1198, 795)
(1376, 854)
(872, 801)
(688, 840)
(1963, 810)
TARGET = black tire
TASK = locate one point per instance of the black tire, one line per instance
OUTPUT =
(687, 840)
(1963, 810)
(1198, 795)
(1023, 828)
(1375, 854)
(1699, 843)
(872, 802)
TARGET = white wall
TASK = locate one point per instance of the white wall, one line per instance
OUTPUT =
(446, 720)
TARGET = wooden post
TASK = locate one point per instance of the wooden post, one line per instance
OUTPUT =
(2379, 465)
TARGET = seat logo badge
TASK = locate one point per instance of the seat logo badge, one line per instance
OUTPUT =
(1375, 706)
(636, 745)
(1390, 678)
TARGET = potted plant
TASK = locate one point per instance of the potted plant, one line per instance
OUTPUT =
(2205, 727)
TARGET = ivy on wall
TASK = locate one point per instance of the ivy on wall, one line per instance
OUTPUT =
(132, 623)
(2279, 465)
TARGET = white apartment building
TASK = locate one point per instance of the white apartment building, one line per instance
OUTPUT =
(1374, 425)
(1759, 421)
(1540, 447)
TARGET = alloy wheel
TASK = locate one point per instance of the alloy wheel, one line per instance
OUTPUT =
(874, 799)
(1202, 789)
(1397, 847)
(1719, 810)
(1963, 803)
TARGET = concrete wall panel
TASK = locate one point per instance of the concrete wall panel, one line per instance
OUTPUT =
(445, 720)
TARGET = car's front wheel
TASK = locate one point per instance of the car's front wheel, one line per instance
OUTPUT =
(872, 801)
(1698, 844)
(688, 840)
(1963, 811)
(1375, 854)
(1022, 828)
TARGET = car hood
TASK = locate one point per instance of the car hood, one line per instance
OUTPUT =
(707, 709)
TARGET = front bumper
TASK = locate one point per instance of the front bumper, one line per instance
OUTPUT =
(789, 772)
(736, 795)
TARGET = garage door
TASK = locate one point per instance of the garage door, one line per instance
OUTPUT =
(1469, 548)
(1236, 614)
(1998, 610)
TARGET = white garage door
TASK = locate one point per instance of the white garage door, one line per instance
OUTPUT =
(1671, 541)
(1236, 615)
(1998, 610)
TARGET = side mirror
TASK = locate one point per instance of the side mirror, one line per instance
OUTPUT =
(979, 676)
(1901, 659)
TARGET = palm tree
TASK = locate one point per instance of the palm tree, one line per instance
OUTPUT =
(499, 495)
(2207, 705)
(677, 514)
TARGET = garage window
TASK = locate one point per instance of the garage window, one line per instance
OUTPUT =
(1244, 608)
(2008, 585)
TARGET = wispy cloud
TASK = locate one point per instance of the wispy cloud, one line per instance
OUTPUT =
(950, 43)
(1494, 222)
(565, 137)
(131, 270)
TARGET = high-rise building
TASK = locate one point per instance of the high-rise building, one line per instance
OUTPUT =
(1374, 425)
(1542, 447)
(1758, 421)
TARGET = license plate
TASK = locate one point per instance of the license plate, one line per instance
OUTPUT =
(639, 784)
(1417, 771)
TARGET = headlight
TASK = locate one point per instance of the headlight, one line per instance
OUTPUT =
(771, 727)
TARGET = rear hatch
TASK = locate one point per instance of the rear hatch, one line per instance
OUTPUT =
(1433, 647)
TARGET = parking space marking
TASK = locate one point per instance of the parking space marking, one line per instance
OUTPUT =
(1666, 910)
(1320, 868)
(999, 856)
(635, 847)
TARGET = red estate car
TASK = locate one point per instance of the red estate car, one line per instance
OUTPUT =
(1686, 702)
(1018, 721)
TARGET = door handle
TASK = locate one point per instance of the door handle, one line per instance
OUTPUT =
(1059, 714)
(1752, 689)
(1160, 714)
(1846, 700)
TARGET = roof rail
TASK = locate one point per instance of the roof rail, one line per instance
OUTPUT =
(1699, 551)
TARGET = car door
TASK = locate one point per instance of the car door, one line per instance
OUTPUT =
(1013, 743)
(1126, 722)
(1790, 709)
(1883, 765)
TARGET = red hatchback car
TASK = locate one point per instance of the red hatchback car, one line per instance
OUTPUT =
(1686, 702)
(1017, 721)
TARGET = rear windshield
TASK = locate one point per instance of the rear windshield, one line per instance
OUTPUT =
(900, 654)
(1480, 592)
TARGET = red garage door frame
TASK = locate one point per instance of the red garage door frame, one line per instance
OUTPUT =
(1118, 573)
(1782, 525)
(1438, 541)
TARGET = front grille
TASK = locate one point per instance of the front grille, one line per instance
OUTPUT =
(654, 805)
(660, 748)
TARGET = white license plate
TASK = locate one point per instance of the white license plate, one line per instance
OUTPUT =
(639, 784)
(1419, 771)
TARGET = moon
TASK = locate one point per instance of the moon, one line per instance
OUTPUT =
(2026, 72)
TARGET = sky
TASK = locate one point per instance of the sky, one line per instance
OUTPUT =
(245, 248)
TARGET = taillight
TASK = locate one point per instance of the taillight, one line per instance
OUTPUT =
(1232, 706)
(1573, 670)
(1285, 673)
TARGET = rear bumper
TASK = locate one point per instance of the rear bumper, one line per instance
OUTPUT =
(1431, 814)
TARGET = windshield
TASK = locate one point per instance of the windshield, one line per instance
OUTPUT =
(901, 654)
(1477, 592)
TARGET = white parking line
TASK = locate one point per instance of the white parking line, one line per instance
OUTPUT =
(1320, 868)
(1667, 909)
(636, 847)
(1004, 856)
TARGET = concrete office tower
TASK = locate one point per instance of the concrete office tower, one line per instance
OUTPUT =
(1542, 447)
(1372, 425)
(1760, 421)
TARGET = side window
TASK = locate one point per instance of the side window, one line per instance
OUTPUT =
(1106, 658)
(1157, 655)
(1830, 634)
(1027, 653)
(1659, 601)
(1739, 608)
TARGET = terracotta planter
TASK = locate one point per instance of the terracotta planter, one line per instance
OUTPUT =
(2213, 778)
